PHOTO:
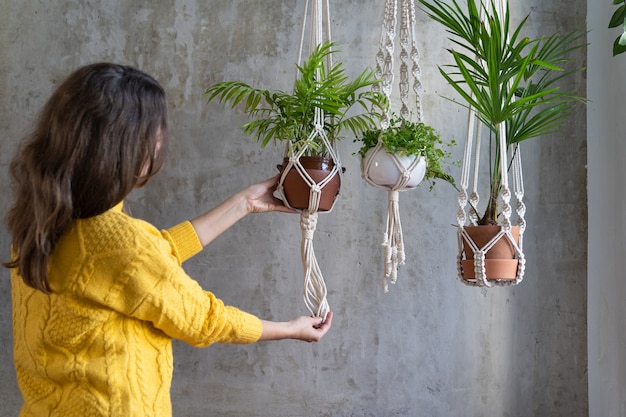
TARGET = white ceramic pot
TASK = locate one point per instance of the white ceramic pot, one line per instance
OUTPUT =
(384, 171)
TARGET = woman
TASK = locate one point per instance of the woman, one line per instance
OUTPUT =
(98, 295)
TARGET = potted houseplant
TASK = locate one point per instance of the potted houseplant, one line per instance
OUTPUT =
(408, 141)
(508, 80)
(324, 104)
(398, 158)
(619, 19)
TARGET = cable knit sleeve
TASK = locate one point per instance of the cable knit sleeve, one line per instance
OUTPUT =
(183, 240)
(144, 279)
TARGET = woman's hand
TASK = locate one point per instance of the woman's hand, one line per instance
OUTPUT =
(260, 197)
(307, 329)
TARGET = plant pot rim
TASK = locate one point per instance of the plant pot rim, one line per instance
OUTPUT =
(312, 158)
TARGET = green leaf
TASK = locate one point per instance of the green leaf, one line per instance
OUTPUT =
(618, 16)
(617, 48)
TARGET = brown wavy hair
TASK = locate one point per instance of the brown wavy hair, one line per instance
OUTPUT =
(102, 133)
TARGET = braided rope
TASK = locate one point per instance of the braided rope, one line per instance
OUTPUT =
(384, 57)
(393, 242)
(314, 292)
(520, 208)
(409, 56)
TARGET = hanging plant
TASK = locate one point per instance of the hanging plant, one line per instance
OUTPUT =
(506, 78)
(411, 139)
(324, 104)
(510, 83)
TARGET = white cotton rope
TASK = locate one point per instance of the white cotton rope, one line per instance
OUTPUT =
(314, 292)
(384, 57)
(393, 242)
(474, 134)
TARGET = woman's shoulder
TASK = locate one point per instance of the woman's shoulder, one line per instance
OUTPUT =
(114, 231)
(112, 239)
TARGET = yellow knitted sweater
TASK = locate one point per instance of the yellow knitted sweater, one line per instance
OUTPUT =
(100, 344)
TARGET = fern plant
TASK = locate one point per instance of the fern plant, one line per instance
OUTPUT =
(290, 116)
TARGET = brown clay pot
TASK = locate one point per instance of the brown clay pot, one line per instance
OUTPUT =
(500, 262)
(297, 190)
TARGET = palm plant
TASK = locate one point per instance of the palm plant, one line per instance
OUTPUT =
(322, 88)
(506, 78)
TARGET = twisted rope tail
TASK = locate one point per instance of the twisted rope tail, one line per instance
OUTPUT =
(393, 242)
(314, 292)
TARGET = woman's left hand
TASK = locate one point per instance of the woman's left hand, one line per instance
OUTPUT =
(304, 328)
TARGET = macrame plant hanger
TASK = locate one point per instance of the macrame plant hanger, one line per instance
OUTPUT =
(512, 160)
(314, 292)
(393, 242)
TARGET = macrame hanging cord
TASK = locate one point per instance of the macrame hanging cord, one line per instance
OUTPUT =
(393, 242)
(508, 158)
(315, 291)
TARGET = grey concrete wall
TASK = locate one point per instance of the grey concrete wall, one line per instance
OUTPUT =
(429, 347)
(607, 225)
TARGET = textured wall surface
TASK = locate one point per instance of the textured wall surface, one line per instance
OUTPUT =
(429, 347)
(607, 218)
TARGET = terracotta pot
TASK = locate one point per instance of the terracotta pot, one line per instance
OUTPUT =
(384, 172)
(500, 262)
(297, 190)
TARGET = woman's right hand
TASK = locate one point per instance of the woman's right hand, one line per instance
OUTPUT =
(260, 197)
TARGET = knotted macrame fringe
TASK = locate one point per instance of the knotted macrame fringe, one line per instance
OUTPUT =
(315, 291)
(393, 242)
